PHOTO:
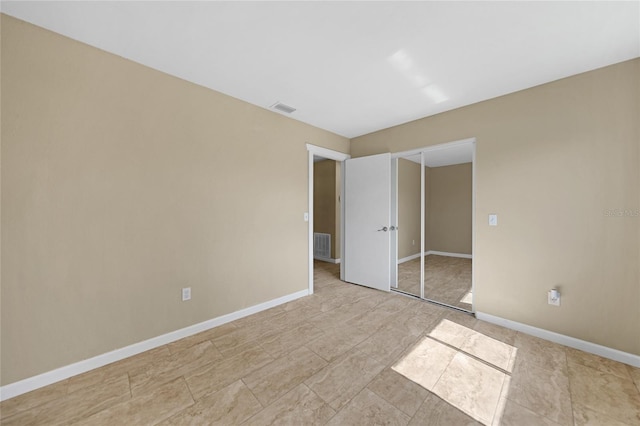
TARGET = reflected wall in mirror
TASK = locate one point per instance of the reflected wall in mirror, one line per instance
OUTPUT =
(434, 200)
(409, 199)
(448, 234)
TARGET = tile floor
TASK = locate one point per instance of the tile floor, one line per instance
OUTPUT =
(446, 279)
(345, 356)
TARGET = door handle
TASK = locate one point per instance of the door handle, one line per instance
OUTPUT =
(393, 228)
(384, 228)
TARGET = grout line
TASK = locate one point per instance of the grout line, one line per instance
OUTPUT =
(256, 397)
(470, 355)
(190, 393)
(500, 398)
(129, 381)
(566, 366)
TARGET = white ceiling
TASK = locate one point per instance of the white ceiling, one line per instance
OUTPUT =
(445, 156)
(354, 67)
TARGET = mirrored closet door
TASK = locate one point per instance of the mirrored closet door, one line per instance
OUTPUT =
(409, 198)
(434, 208)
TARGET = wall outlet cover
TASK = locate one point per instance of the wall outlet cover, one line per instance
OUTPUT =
(551, 300)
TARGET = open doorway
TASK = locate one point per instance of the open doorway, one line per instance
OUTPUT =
(326, 219)
(326, 212)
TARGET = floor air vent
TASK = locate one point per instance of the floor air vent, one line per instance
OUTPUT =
(321, 245)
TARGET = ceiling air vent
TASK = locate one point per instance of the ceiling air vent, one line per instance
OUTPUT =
(282, 107)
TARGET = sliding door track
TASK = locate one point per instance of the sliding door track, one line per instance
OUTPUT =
(435, 302)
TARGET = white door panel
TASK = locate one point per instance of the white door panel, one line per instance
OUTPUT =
(367, 221)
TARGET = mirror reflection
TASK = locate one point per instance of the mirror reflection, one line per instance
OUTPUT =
(439, 209)
(409, 199)
(448, 221)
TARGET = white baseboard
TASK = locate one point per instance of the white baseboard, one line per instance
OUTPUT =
(439, 253)
(326, 259)
(572, 342)
(445, 253)
(23, 386)
(408, 258)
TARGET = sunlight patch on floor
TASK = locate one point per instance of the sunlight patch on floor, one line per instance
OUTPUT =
(468, 369)
(468, 298)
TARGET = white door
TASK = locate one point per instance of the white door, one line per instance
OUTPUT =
(367, 201)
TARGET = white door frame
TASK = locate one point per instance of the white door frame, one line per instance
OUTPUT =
(424, 151)
(341, 158)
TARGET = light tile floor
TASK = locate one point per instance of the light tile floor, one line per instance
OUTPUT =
(347, 355)
(446, 279)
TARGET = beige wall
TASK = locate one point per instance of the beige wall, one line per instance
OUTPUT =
(325, 202)
(427, 206)
(120, 185)
(449, 208)
(408, 208)
(551, 161)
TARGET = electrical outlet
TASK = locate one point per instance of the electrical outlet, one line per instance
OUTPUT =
(413, 242)
(553, 299)
(186, 294)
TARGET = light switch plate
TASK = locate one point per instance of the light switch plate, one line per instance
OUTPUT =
(306, 217)
(493, 220)
(186, 294)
